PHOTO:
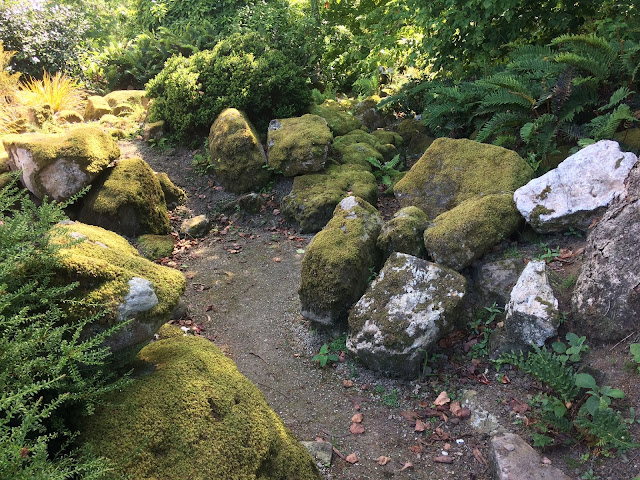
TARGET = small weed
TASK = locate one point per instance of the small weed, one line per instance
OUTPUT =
(511, 252)
(372, 274)
(573, 351)
(324, 356)
(482, 326)
(379, 389)
(547, 254)
(163, 144)
(635, 351)
(385, 172)
(338, 344)
(573, 232)
(589, 475)
(391, 399)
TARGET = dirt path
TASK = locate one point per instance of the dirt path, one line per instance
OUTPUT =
(242, 282)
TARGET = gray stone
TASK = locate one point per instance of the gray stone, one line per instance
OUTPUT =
(606, 299)
(338, 262)
(480, 420)
(577, 191)
(153, 131)
(196, 227)
(513, 459)
(320, 451)
(404, 312)
(141, 298)
(297, 146)
(494, 280)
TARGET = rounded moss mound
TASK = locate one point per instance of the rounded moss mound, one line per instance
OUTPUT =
(194, 416)
(452, 171)
(155, 246)
(339, 120)
(404, 233)
(128, 199)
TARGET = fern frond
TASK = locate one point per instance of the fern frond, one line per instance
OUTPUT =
(617, 97)
(607, 429)
(586, 42)
(508, 82)
(562, 89)
(605, 126)
(498, 122)
(507, 99)
(593, 66)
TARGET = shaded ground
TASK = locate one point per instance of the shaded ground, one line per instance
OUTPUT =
(242, 282)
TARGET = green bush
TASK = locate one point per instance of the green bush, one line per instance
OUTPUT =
(49, 374)
(240, 72)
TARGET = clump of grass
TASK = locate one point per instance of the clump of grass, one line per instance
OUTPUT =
(59, 91)
(10, 110)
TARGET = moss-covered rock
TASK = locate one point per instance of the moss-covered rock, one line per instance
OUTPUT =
(404, 312)
(338, 262)
(299, 145)
(195, 227)
(60, 165)
(415, 137)
(112, 275)
(342, 144)
(387, 137)
(127, 199)
(40, 114)
(153, 131)
(629, 138)
(237, 154)
(452, 171)
(314, 197)
(404, 233)
(173, 195)
(96, 107)
(154, 247)
(193, 415)
(466, 232)
(69, 116)
(357, 154)
(130, 97)
(367, 112)
(340, 121)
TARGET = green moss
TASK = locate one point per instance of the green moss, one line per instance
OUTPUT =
(131, 97)
(127, 199)
(314, 197)
(194, 416)
(342, 144)
(69, 116)
(465, 233)
(96, 107)
(104, 262)
(236, 153)
(335, 268)
(387, 137)
(357, 154)
(537, 211)
(452, 171)
(299, 145)
(154, 247)
(544, 193)
(404, 233)
(629, 138)
(339, 120)
(169, 331)
(173, 195)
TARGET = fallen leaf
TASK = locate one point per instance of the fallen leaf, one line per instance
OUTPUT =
(382, 460)
(406, 466)
(443, 459)
(356, 429)
(464, 413)
(277, 259)
(420, 426)
(347, 383)
(409, 415)
(519, 406)
(357, 418)
(209, 308)
(479, 457)
(442, 399)
(276, 212)
(352, 458)
(455, 407)
(416, 449)
(505, 379)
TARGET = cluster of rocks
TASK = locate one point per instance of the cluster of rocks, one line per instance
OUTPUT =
(459, 201)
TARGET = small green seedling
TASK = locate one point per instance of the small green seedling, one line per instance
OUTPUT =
(600, 397)
(323, 357)
(573, 351)
(635, 351)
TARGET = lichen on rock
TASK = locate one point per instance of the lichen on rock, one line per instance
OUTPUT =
(314, 197)
(191, 414)
(336, 265)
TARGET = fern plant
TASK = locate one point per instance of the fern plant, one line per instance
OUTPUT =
(385, 172)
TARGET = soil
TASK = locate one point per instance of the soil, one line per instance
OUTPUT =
(242, 282)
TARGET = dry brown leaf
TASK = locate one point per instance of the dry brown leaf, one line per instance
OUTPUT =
(519, 406)
(464, 413)
(277, 259)
(420, 426)
(455, 407)
(416, 449)
(479, 457)
(357, 418)
(382, 460)
(443, 459)
(352, 458)
(347, 383)
(406, 466)
(356, 429)
(409, 415)
(442, 399)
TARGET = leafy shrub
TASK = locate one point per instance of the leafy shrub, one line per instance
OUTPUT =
(48, 373)
(240, 72)
(44, 36)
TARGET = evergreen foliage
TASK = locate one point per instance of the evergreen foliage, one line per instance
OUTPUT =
(49, 373)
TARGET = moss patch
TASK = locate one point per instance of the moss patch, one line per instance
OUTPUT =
(154, 247)
(127, 199)
(404, 233)
(340, 121)
(357, 154)
(466, 232)
(630, 138)
(452, 171)
(237, 154)
(173, 195)
(96, 107)
(195, 416)
(314, 197)
(387, 137)
(335, 268)
(130, 97)
(342, 144)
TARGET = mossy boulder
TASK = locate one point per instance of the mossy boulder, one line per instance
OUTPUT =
(387, 137)
(153, 247)
(415, 137)
(190, 414)
(96, 108)
(340, 121)
(338, 262)
(404, 312)
(173, 195)
(342, 144)
(367, 112)
(237, 154)
(40, 114)
(629, 138)
(299, 145)
(60, 165)
(357, 154)
(404, 233)
(153, 131)
(113, 276)
(465, 233)
(69, 116)
(314, 197)
(195, 227)
(127, 97)
(127, 199)
(452, 171)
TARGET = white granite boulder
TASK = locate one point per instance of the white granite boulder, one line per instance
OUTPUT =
(404, 312)
(578, 190)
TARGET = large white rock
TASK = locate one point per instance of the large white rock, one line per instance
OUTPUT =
(578, 190)
(404, 312)
(532, 312)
